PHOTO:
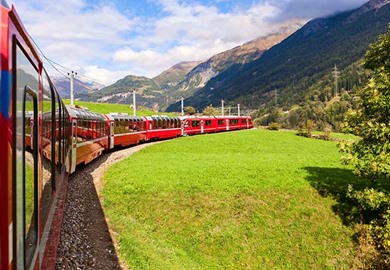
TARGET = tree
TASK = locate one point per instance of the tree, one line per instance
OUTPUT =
(210, 111)
(189, 110)
(370, 155)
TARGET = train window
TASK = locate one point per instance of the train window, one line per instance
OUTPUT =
(116, 126)
(154, 123)
(243, 121)
(195, 123)
(220, 122)
(208, 123)
(26, 165)
(122, 126)
(66, 139)
(48, 147)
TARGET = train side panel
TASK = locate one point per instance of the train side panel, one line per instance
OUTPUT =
(33, 178)
(162, 127)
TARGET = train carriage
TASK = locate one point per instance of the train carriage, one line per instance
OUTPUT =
(126, 130)
(193, 125)
(89, 135)
(232, 122)
(162, 127)
(246, 122)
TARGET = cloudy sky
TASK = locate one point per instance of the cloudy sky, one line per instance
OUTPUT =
(108, 39)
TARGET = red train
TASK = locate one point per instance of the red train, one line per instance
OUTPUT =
(92, 133)
(42, 142)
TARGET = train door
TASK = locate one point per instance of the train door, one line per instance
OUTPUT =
(25, 162)
(74, 144)
(227, 124)
(111, 134)
(201, 126)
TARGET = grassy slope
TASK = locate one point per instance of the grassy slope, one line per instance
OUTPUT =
(113, 108)
(246, 201)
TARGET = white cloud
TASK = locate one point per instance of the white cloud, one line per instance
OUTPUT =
(103, 75)
(103, 40)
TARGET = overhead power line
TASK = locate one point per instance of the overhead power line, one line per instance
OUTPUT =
(67, 69)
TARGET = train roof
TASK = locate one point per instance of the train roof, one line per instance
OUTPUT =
(84, 114)
(162, 117)
(124, 116)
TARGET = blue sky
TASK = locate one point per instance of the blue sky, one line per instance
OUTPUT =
(109, 39)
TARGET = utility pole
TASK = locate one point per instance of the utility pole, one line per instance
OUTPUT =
(71, 75)
(238, 110)
(222, 108)
(336, 74)
(134, 105)
(182, 106)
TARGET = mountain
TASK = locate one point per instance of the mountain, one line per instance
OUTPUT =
(172, 76)
(80, 87)
(252, 50)
(185, 78)
(147, 90)
(245, 53)
(292, 66)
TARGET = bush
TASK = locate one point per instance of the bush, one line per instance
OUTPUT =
(274, 126)
(309, 126)
(372, 208)
(257, 122)
(327, 132)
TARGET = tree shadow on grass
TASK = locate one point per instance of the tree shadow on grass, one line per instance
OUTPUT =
(334, 182)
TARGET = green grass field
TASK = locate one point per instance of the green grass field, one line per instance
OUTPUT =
(114, 108)
(239, 200)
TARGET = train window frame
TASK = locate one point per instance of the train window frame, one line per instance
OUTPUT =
(50, 133)
(25, 256)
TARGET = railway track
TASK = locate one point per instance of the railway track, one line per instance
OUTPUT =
(85, 241)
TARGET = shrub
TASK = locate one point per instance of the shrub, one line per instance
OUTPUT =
(310, 126)
(327, 132)
(274, 126)
(372, 208)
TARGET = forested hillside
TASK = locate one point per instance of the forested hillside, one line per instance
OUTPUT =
(297, 73)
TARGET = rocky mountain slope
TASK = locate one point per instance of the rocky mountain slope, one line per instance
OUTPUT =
(172, 76)
(252, 50)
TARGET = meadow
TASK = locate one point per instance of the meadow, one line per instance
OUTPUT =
(106, 108)
(253, 199)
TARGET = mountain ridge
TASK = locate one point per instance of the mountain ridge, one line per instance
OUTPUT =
(184, 78)
(298, 61)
